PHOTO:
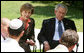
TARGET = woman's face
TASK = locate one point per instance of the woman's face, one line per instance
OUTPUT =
(26, 14)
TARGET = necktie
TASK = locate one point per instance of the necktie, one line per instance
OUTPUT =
(60, 30)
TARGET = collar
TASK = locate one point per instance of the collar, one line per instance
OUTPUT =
(58, 20)
(27, 23)
(62, 48)
(28, 20)
(13, 41)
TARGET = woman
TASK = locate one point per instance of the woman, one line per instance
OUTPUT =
(26, 11)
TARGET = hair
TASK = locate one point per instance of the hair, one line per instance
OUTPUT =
(69, 38)
(27, 7)
(15, 32)
(61, 5)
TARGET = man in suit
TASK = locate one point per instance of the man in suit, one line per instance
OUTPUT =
(53, 28)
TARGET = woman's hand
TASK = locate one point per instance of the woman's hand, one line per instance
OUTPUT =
(31, 42)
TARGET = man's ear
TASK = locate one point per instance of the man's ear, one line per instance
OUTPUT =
(8, 29)
(55, 11)
(21, 34)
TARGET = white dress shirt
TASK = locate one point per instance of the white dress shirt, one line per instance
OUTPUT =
(56, 34)
(59, 48)
(2, 39)
(11, 45)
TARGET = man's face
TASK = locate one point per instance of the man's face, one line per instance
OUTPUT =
(60, 13)
(4, 30)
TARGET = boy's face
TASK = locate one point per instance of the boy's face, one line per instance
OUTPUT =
(26, 14)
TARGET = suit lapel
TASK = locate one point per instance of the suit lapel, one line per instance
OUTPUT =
(65, 23)
(53, 27)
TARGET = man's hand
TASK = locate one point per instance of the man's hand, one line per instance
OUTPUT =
(46, 46)
(31, 42)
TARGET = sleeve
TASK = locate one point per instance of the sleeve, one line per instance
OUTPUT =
(41, 35)
(73, 26)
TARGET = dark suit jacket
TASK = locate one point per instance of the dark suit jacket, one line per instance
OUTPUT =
(48, 29)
